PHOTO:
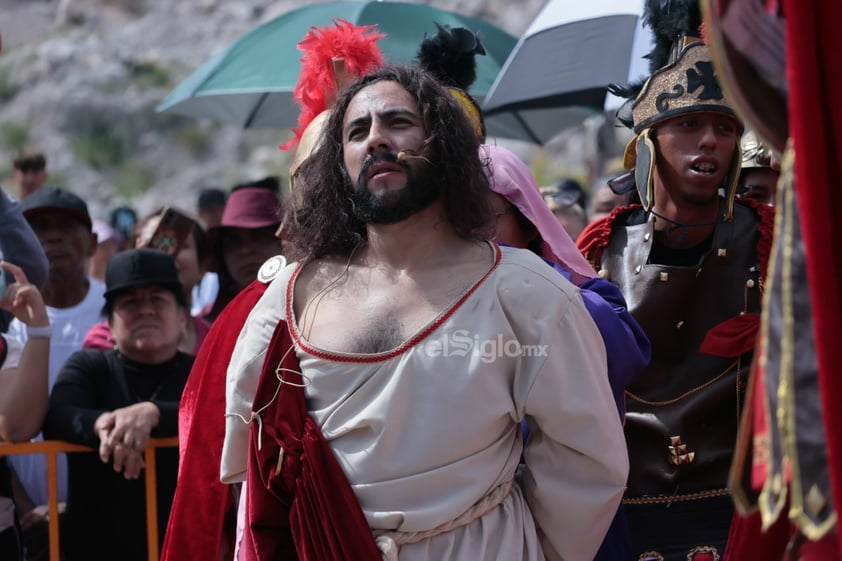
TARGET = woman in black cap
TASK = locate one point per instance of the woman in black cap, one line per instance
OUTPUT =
(115, 401)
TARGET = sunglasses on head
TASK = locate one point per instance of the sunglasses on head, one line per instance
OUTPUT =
(562, 198)
(623, 184)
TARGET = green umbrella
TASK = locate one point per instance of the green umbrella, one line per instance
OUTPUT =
(251, 82)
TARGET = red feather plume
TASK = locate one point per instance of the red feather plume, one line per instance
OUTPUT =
(356, 44)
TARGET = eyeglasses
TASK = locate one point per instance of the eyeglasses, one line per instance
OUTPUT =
(563, 199)
(623, 184)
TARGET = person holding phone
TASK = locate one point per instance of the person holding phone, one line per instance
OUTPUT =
(23, 389)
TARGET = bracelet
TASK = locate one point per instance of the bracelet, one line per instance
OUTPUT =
(39, 332)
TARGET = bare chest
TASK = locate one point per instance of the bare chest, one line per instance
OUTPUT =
(375, 316)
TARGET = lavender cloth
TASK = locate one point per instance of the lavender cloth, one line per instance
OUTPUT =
(627, 348)
(512, 179)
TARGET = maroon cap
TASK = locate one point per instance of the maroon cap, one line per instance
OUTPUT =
(251, 208)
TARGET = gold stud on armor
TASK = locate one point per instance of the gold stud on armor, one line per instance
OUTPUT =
(679, 453)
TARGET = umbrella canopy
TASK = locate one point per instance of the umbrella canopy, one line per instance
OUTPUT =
(560, 69)
(251, 81)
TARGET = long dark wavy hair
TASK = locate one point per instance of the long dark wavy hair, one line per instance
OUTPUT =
(321, 221)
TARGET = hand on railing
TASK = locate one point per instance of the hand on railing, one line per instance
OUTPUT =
(123, 435)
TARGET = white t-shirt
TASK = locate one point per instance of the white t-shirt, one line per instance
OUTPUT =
(204, 293)
(14, 348)
(69, 328)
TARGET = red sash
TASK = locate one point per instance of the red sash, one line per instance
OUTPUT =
(299, 502)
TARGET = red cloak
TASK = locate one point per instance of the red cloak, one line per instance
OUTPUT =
(195, 527)
(299, 504)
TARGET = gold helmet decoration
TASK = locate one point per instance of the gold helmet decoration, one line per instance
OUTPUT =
(682, 81)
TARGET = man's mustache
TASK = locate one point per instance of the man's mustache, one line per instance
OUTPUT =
(381, 157)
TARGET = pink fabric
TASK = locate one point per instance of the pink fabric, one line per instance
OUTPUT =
(98, 337)
(202, 328)
(511, 178)
(239, 553)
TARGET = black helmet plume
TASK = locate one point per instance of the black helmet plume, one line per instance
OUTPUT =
(669, 20)
(449, 55)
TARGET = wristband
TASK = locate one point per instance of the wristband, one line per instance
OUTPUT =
(39, 332)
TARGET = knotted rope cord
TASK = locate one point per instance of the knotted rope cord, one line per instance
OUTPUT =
(255, 415)
(389, 542)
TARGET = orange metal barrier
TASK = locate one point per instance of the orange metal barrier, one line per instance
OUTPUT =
(54, 447)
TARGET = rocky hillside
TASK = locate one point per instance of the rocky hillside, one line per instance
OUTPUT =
(80, 79)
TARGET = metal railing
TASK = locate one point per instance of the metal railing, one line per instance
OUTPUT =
(54, 447)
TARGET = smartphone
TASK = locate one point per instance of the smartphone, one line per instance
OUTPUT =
(171, 232)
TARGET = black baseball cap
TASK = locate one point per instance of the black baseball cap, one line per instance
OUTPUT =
(55, 199)
(142, 267)
(211, 197)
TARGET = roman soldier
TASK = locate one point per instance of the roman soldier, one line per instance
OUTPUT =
(690, 261)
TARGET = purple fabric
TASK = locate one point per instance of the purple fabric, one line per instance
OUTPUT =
(627, 348)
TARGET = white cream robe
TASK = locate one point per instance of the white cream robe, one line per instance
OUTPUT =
(426, 431)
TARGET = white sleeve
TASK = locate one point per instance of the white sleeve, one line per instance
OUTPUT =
(576, 459)
(244, 373)
(14, 348)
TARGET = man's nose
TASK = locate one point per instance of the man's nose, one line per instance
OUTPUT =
(709, 137)
(378, 140)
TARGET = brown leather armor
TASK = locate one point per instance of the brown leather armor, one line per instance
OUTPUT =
(683, 411)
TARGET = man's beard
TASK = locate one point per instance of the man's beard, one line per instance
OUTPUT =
(421, 190)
